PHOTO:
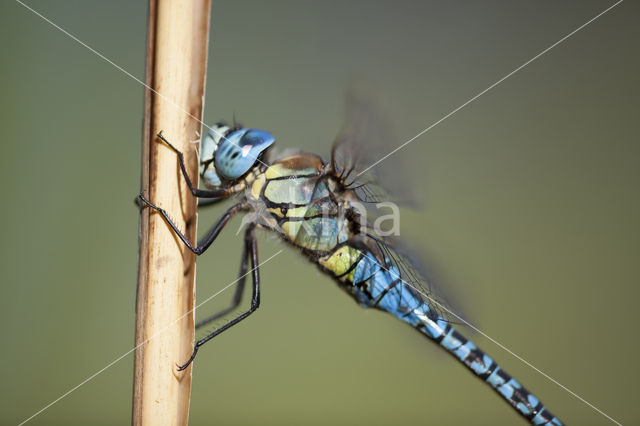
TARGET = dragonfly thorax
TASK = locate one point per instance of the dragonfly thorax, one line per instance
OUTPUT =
(300, 198)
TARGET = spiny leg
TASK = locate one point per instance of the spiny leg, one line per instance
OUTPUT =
(201, 193)
(237, 297)
(201, 203)
(203, 244)
(252, 246)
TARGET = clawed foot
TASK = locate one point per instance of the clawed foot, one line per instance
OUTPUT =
(141, 201)
(193, 355)
(176, 150)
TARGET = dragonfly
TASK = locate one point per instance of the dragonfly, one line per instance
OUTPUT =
(315, 206)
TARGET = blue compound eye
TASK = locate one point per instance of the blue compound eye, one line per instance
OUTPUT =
(239, 151)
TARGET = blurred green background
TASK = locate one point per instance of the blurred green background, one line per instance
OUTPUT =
(529, 215)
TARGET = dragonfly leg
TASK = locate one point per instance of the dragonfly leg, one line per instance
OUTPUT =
(200, 193)
(237, 297)
(203, 244)
(201, 202)
(252, 247)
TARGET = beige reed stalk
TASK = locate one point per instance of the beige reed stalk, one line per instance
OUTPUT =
(175, 69)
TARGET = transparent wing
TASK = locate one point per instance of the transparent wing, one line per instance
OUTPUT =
(365, 137)
(416, 279)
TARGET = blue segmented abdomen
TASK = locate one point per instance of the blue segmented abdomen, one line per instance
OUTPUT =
(383, 288)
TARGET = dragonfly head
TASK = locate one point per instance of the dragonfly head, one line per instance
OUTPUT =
(228, 154)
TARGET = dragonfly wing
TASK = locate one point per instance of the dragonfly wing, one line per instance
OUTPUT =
(414, 280)
(366, 137)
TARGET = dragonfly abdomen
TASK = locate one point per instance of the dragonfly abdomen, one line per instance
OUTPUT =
(491, 373)
(382, 287)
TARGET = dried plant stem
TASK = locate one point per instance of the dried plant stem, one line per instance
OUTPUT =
(175, 70)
